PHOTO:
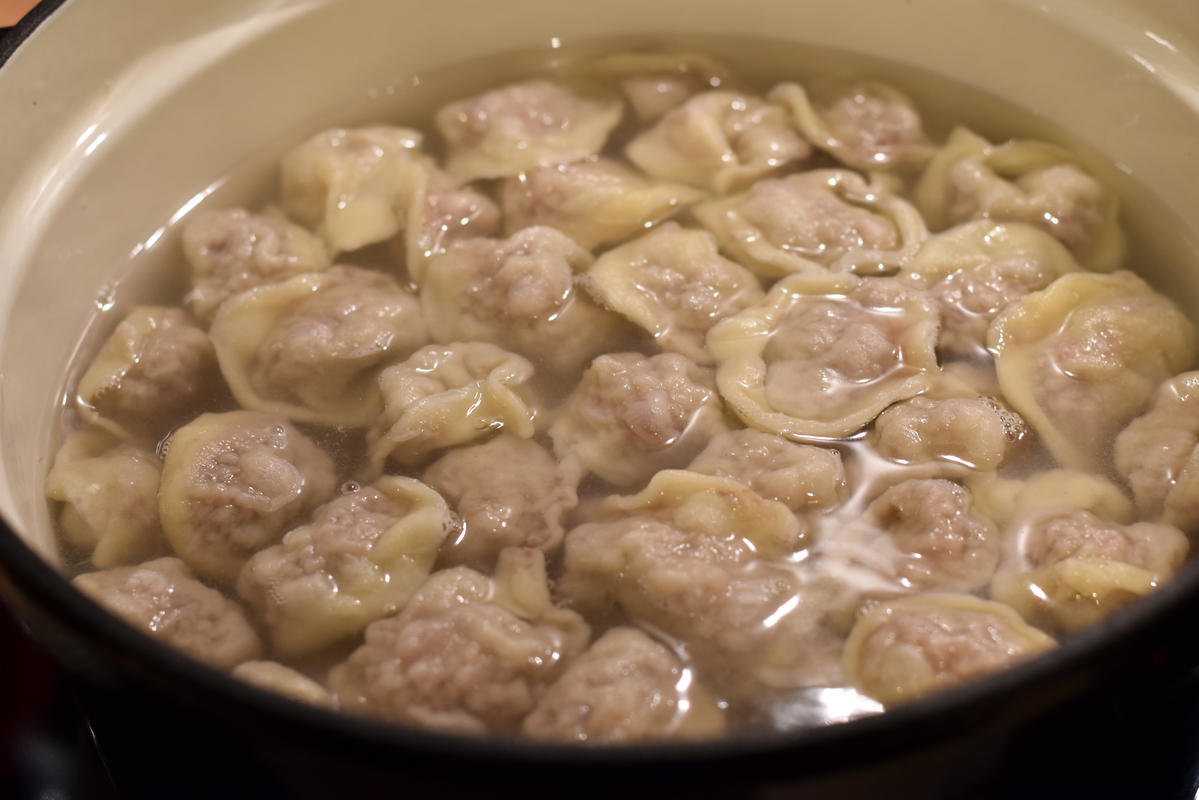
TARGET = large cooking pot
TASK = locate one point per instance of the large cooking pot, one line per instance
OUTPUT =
(119, 117)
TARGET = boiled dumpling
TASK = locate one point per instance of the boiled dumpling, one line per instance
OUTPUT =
(654, 83)
(595, 202)
(232, 483)
(361, 558)
(826, 219)
(350, 185)
(1023, 181)
(1088, 348)
(524, 126)
(446, 396)
(674, 284)
(284, 680)
(1009, 501)
(311, 348)
(718, 140)
(822, 355)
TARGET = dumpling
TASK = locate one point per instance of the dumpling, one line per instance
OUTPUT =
(674, 284)
(350, 185)
(284, 680)
(632, 415)
(232, 250)
(162, 598)
(1090, 347)
(625, 688)
(977, 269)
(802, 477)
(522, 294)
(865, 124)
(595, 202)
(1023, 181)
(109, 495)
(1009, 501)
(360, 558)
(1158, 454)
(973, 430)
(311, 348)
(1069, 568)
(718, 140)
(825, 219)
(523, 126)
(231, 484)
(509, 492)
(155, 372)
(469, 653)
(903, 649)
(446, 396)
(822, 355)
(654, 83)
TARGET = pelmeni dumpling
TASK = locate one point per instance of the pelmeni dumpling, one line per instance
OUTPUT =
(360, 558)
(822, 355)
(1090, 347)
(1023, 181)
(109, 495)
(825, 219)
(275, 677)
(439, 213)
(523, 126)
(867, 125)
(450, 395)
(596, 202)
(350, 185)
(654, 83)
(231, 485)
(311, 348)
(718, 140)
(674, 284)
(1009, 501)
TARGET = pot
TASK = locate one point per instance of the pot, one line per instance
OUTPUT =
(123, 116)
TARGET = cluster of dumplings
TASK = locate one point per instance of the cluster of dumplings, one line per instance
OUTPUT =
(638, 404)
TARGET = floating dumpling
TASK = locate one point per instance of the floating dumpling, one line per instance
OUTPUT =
(632, 415)
(1023, 181)
(1089, 348)
(360, 559)
(523, 126)
(595, 202)
(822, 355)
(976, 431)
(654, 83)
(350, 185)
(109, 495)
(825, 219)
(903, 649)
(284, 680)
(469, 653)
(718, 140)
(232, 483)
(1009, 501)
(311, 348)
(451, 395)
(674, 284)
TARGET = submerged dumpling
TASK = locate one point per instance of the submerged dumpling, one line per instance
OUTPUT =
(903, 649)
(232, 250)
(718, 140)
(1158, 454)
(1090, 347)
(523, 126)
(632, 415)
(155, 372)
(822, 355)
(469, 653)
(231, 484)
(625, 688)
(595, 202)
(109, 495)
(674, 284)
(311, 348)
(825, 219)
(866, 124)
(284, 680)
(350, 185)
(451, 395)
(654, 83)
(522, 294)
(440, 212)
(162, 598)
(1023, 181)
(361, 558)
